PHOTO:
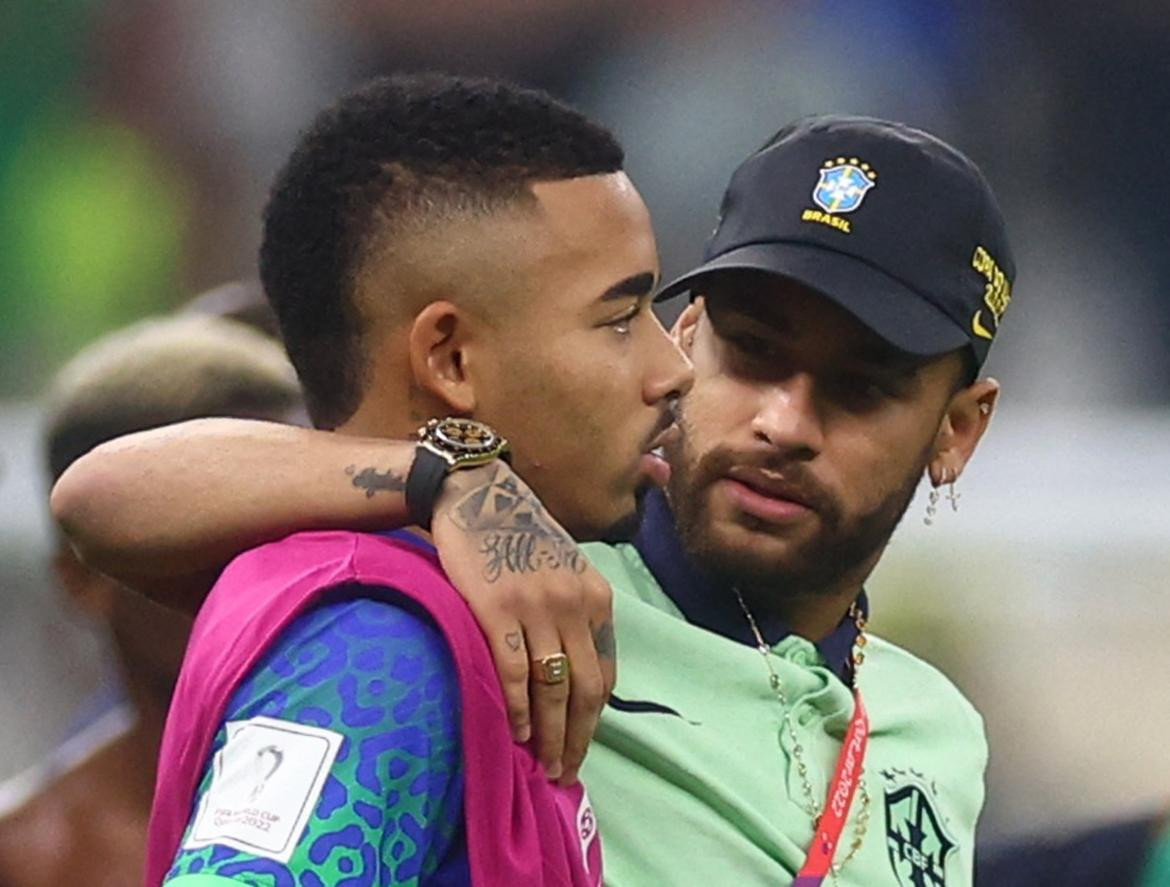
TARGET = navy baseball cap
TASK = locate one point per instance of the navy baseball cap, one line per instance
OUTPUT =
(892, 224)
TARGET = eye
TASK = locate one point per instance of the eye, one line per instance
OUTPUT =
(858, 391)
(623, 325)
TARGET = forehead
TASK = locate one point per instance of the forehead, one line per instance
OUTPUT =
(578, 212)
(590, 232)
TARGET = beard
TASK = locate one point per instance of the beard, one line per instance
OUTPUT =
(838, 552)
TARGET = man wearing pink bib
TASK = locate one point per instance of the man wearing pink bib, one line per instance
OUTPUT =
(338, 719)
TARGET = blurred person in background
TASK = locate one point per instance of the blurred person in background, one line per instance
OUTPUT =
(849, 296)
(81, 816)
(240, 300)
(1134, 852)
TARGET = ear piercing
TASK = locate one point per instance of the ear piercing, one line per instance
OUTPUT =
(948, 478)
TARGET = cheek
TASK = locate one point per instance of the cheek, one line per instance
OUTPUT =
(717, 412)
(556, 402)
(874, 461)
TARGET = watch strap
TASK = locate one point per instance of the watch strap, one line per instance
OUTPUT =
(423, 483)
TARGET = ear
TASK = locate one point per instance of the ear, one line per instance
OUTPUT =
(683, 331)
(439, 355)
(93, 592)
(966, 419)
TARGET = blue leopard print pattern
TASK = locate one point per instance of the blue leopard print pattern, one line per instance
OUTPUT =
(391, 809)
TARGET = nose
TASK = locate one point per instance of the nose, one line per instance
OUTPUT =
(669, 374)
(787, 419)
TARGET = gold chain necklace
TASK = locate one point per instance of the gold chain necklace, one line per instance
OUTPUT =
(812, 805)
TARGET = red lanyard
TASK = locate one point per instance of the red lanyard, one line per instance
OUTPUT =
(839, 801)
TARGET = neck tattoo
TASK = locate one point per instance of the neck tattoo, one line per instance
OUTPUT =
(811, 805)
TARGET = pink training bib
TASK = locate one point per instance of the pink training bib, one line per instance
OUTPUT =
(521, 828)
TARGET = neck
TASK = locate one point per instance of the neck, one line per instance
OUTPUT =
(813, 614)
(813, 617)
(378, 420)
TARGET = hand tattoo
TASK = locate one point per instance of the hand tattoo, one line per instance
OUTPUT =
(518, 536)
(514, 640)
(604, 641)
(371, 481)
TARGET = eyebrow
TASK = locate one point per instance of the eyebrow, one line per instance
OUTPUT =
(634, 285)
(765, 315)
(888, 359)
(870, 354)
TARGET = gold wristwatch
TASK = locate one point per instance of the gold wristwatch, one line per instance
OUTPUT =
(446, 445)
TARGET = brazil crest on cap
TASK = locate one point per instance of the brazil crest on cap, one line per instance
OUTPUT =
(843, 185)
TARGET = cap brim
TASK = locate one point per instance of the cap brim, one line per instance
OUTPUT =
(894, 311)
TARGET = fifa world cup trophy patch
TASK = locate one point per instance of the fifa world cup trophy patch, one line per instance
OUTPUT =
(841, 187)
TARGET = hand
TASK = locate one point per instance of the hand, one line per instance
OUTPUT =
(534, 594)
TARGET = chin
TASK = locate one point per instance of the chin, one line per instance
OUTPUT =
(744, 550)
(623, 526)
(623, 529)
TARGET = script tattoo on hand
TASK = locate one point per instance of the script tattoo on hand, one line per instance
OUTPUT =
(371, 481)
(516, 534)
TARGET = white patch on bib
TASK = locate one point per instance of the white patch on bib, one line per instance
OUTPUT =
(265, 784)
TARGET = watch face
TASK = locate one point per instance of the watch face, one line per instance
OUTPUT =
(465, 436)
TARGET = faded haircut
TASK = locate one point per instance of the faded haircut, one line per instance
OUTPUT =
(399, 154)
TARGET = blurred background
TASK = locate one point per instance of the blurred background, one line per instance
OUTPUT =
(138, 137)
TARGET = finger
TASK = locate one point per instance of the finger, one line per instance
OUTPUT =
(605, 643)
(599, 596)
(586, 697)
(549, 702)
(511, 657)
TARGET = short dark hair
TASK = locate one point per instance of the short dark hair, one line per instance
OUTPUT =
(399, 150)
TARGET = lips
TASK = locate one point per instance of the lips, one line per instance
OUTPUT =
(766, 496)
(773, 486)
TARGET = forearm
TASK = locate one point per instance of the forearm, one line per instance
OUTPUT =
(181, 501)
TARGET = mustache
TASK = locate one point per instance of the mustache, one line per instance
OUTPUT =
(795, 477)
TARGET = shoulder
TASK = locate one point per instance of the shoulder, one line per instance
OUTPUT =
(355, 710)
(928, 748)
(923, 723)
(322, 558)
(919, 689)
(358, 639)
(367, 612)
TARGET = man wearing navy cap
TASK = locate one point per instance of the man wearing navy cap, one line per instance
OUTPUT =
(846, 302)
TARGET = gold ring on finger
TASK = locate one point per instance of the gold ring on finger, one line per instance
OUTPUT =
(552, 669)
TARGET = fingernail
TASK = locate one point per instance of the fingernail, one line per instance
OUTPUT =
(554, 772)
(522, 734)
